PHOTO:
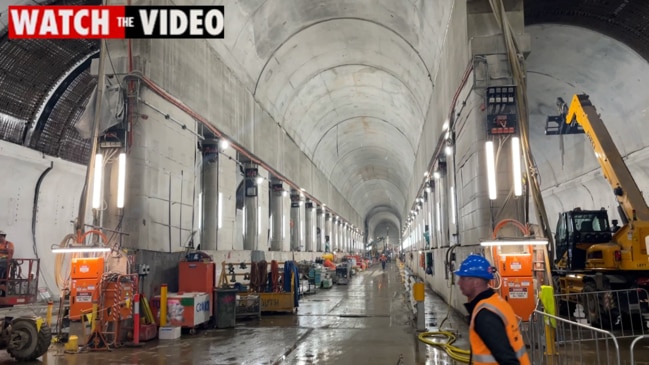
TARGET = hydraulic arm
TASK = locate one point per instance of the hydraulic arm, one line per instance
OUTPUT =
(626, 191)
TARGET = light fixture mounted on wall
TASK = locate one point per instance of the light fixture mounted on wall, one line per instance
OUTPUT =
(516, 161)
(97, 181)
(121, 180)
(80, 249)
(491, 169)
(514, 242)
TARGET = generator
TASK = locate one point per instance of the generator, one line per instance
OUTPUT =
(85, 274)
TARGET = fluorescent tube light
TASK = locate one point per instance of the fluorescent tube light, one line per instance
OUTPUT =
(453, 204)
(438, 217)
(514, 242)
(96, 189)
(491, 170)
(80, 249)
(516, 160)
(220, 211)
(121, 180)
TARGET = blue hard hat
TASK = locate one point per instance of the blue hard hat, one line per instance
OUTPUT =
(477, 267)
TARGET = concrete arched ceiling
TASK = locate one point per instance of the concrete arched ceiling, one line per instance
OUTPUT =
(381, 217)
(350, 82)
(566, 60)
(364, 68)
(623, 20)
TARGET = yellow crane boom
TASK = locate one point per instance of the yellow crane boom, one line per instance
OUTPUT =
(626, 191)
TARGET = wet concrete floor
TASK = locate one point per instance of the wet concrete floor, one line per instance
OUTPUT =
(368, 321)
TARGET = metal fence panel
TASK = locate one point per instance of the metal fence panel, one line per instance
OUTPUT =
(623, 312)
(554, 341)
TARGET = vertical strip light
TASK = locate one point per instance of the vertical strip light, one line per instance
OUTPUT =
(200, 211)
(96, 189)
(243, 222)
(516, 160)
(453, 197)
(439, 219)
(220, 211)
(491, 169)
(121, 180)
(283, 226)
(270, 223)
(258, 221)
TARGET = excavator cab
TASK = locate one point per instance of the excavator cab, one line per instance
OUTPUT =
(577, 231)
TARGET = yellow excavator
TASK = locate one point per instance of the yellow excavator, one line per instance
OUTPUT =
(592, 255)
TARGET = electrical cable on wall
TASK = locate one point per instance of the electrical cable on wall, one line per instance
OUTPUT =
(37, 191)
(137, 75)
(513, 54)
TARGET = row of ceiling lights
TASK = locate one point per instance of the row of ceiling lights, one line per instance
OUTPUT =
(436, 170)
(224, 144)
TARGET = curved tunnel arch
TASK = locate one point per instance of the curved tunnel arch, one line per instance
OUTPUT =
(336, 19)
(335, 94)
(614, 76)
(362, 118)
(297, 88)
(620, 19)
(369, 194)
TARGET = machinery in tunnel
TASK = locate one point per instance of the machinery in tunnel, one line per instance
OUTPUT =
(25, 338)
(592, 257)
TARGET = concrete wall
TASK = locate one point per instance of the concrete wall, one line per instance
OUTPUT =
(207, 86)
(161, 193)
(55, 207)
(164, 265)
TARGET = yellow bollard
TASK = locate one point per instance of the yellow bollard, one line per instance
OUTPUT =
(550, 344)
(163, 305)
(50, 306)
(418, 292)
(418, 296)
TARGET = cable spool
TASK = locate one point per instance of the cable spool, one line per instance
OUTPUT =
(274, 276)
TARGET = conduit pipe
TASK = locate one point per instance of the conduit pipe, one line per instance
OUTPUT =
(513, 54)
(171, 99)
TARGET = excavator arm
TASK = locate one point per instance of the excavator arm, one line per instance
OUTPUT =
(626, 190)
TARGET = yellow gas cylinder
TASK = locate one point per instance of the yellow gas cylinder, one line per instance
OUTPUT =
(72, 346)
(418, 291)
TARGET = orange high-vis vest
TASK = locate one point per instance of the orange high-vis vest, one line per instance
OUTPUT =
(6, 250)
(480, 353)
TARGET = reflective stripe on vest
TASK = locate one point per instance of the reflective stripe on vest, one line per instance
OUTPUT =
(480, 353)
(491, 359)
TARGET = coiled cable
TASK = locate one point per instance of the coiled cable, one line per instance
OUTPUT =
(454, 352)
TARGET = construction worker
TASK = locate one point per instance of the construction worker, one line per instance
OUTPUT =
(494, 334)
(6, 254)
(383, 260)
